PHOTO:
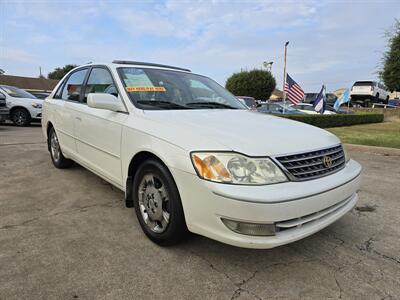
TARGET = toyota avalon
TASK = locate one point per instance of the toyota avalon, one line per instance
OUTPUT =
(190, 158)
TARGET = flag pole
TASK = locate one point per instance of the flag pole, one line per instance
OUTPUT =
(284, 77)
(348, 106)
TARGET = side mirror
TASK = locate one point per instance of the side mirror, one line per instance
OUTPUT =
(2, 97)
(105, 101)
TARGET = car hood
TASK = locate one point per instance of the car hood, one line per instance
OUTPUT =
(25, 100)
(248, 132)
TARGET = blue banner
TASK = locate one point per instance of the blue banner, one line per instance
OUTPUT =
(344, 98)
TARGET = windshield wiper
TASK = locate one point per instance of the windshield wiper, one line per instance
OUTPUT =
(210, 104)
(163, 104)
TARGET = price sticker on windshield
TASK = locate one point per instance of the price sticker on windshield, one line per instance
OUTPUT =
(145, 89)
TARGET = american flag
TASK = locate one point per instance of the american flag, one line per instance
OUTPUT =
(294, 92)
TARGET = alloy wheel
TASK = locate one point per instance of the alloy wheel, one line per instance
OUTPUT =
(55, 147)
(19, 118)
(153, 201)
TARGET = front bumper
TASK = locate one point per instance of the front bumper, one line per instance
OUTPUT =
(37, 114)
(321, 201)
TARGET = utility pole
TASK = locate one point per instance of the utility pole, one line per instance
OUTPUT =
(284, 77)
(40, 72)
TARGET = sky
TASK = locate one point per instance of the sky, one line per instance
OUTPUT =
(331, 42)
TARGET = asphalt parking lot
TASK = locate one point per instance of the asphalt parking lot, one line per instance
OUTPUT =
(66, 234)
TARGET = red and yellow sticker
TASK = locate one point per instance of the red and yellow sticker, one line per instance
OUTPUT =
(145, 89)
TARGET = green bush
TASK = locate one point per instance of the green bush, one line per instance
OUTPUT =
(256, 83)
(338, 120)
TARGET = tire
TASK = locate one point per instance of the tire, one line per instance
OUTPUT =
(20, 117)
(58, 159)
(377, 100)
(158, 205)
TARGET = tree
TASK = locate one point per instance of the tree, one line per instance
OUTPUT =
(59, 73)
(256, 83)
(391, 58)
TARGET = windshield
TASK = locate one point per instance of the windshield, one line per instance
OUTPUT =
(305, 107)
(165, 89)
(363, 83)
(287, 106)
(16, 92)
(249, 102)
(279, 107)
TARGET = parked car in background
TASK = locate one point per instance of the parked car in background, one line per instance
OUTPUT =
(381, 105)
(250, 102)
(4, 111)
(40, 95)
(24, 107)
(367, 92)
(198, 162)
(309, 109)
(278, 108)
(394, 102)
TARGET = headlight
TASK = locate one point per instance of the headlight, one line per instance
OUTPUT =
(36, 105)
(236, 168)
(346, 155)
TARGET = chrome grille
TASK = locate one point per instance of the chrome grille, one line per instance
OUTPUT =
(2, 103)
(310, 165)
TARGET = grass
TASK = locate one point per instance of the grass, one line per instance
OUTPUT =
(386, 134)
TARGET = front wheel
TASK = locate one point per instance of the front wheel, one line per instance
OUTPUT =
(58, 159)
(158, 205)
(20, 117)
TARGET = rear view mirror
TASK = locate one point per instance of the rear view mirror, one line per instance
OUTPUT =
(105, 101)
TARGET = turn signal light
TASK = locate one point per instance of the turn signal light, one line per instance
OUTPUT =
(211, 168)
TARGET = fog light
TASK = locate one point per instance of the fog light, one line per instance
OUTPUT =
(250, 228)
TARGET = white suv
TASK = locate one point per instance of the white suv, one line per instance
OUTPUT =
(24, 107)
(190, 158)
(367, 92)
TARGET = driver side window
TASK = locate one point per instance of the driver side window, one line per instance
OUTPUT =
(100, 81)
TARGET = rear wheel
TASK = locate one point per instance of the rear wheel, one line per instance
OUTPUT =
(158, 205)
(58, 159)
(20, 117)
(377, 100)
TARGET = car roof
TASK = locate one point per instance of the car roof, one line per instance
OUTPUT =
(147, 64)
(126, 63)
(299, 104)
(245, 97)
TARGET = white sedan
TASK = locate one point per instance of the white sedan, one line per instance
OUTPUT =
(190, 158)
(309, 109)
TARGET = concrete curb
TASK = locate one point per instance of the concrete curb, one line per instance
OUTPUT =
(373, 149)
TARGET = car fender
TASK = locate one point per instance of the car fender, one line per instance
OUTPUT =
(134, 141)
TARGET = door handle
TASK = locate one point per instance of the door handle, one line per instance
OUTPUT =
(78, 118)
